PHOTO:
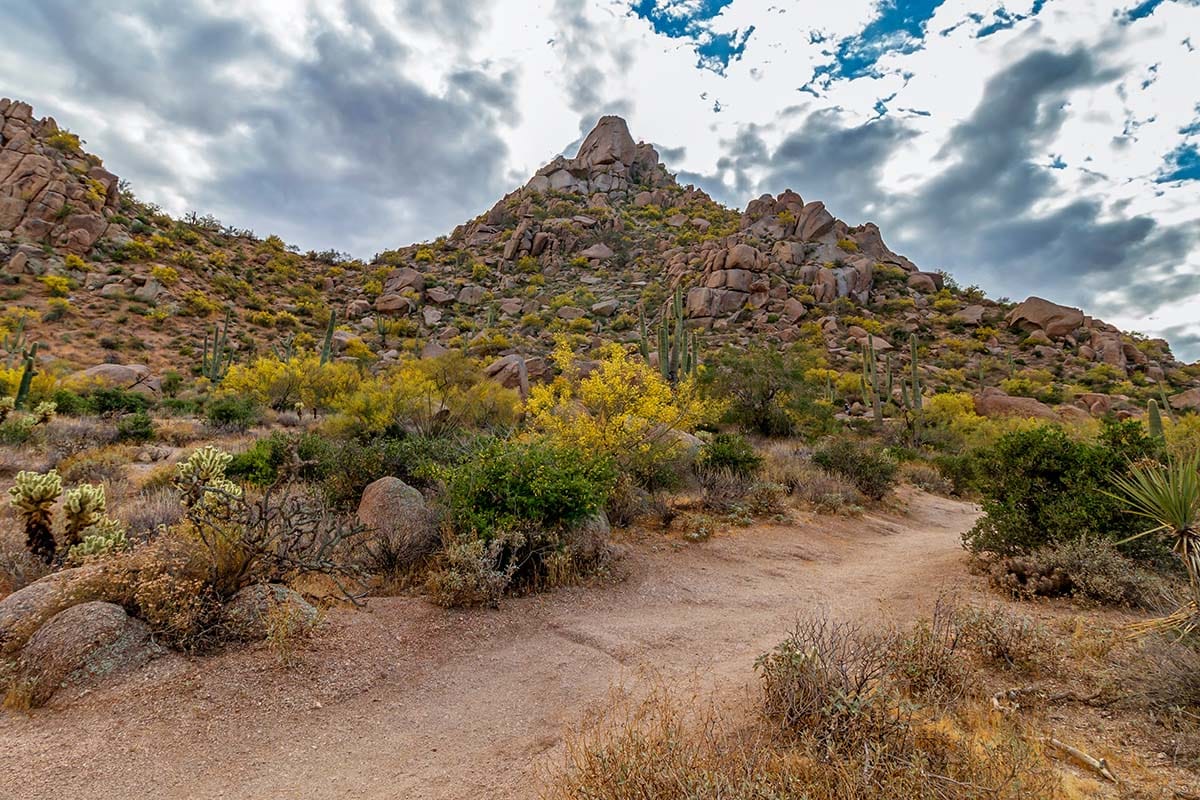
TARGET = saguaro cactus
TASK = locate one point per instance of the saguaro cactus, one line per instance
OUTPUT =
(32, 495)
(215, 362)
(677, 348)
(1154, 419)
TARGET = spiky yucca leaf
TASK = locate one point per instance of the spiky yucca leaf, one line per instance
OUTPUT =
(1168, 496)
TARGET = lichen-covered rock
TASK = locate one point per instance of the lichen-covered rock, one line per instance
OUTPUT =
(26, 610)
(79, 647)
(995, 403)
(247, 614)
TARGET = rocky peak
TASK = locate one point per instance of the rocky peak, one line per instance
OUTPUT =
(608, 143)
(50, 190)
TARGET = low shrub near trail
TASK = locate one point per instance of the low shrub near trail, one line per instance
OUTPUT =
(872, 471)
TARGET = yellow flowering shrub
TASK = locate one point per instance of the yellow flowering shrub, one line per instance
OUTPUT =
(284, 384)
(623, 409)
(431, 395)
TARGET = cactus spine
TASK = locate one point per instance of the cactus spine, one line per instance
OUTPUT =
(215, 362)
(1154, 419)
(32, 495)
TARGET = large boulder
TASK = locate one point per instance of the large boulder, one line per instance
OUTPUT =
(608, 143)
(397, 513)
(27, 609)
(82, 645)
(994, 403)
(131, 377)
(1041, 315)
(510, 371)
(1184, 401)
(247, 615)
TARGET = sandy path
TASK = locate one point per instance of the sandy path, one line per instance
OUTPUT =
(413, 701)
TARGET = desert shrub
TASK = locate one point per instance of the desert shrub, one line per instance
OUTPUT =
(135, 428)
(1006, 638)
(232, 413)
(622, 412)
(69, 402)
(729, 451)
(112, 400)
(434, 397)
(473, 571)
(659, 748)
(151, 511)
(927, 477)
(627, 502)
(961, 470)
(405, 543)
(1162, 674)
(1084, 568)
(769, 392)
(723, 490)
(102, 465)
(791, 469)
(1040, 487)
(927, 662)
(828, 680)
(509, 484)
(871, 470)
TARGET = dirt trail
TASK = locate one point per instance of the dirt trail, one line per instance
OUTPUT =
(413, 701)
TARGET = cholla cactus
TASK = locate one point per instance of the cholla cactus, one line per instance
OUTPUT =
(33, 495)
(7, 404)
(105, 537)
(204, 469)
(84, 508)
(44, 412)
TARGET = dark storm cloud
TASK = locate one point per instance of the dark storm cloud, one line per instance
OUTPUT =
(332, 148)
(977, 217)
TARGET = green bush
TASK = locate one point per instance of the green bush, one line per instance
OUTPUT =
(137, 427)
(1040, 487)
(766, 391)
(869, 468)
(516, 484)
(961, 469)
(112, 400)
(730, 451)
(232, 413)
(70, 403)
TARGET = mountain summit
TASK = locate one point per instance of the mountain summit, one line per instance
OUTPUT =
(591, 247)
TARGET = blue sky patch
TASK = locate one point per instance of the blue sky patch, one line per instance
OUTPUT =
(899, 27)
(680, 19)
(1183, 164)
(1141, 10)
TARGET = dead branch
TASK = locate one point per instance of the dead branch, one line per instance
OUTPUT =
(1099, 766)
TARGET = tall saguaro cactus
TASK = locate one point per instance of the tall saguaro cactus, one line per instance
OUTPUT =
(677, 348)
(215, 361)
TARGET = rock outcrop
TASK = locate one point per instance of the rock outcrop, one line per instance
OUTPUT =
(50, 190)
(1036, 314)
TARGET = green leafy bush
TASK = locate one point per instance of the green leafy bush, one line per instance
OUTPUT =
(137, 427)
(730, 451)
(233, 412)
(767, 392)
(1040, 487)
(510, 484)
(869, 468)
(113, 400)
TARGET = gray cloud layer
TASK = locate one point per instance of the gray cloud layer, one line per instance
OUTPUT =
(335, 148)
(976, 218)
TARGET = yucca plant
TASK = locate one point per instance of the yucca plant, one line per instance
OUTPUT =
(1168, 496)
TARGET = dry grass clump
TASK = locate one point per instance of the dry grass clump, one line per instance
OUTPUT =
(843, 716)
(1004, 638)
(405, 545)
(69, 436)
(18, 567)
(150, 510)
(927, 477)
(99, 465)
(790, 467)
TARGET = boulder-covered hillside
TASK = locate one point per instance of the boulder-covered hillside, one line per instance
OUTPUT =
(589, 247)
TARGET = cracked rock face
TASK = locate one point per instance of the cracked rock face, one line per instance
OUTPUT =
(50, 191)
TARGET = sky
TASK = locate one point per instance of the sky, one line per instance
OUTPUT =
(1047, 147)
